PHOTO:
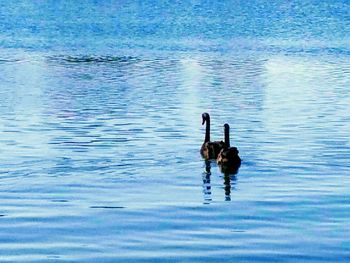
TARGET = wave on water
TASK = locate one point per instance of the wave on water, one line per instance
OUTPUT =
(93, 59)
(7, 60)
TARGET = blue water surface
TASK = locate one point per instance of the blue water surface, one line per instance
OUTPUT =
(101, 105)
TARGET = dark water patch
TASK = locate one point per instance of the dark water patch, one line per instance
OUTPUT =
(9, 60)
(238, 231)
(59, 201)
(107, 207)
(91, 59)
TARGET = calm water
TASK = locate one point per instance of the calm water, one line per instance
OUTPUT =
(101, 104)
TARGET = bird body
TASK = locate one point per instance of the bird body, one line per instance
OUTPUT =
(228, 157)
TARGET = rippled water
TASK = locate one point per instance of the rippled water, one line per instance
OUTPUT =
(100, 126)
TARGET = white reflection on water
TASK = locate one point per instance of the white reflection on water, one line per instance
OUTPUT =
(193, 79)
(305, 101)
(22, 108)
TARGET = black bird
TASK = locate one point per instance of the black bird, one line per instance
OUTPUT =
(228, 157)
(210, 150)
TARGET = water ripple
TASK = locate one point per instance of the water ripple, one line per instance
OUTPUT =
(93, 59)
(101, 129)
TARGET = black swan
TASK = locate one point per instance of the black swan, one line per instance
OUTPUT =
(228, 157)
(210, 150)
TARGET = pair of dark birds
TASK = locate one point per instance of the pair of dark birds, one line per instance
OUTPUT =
(226, 156)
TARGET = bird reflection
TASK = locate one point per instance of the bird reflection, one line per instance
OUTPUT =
(229, 172)
(206, 183)
(229, 178)
(207, 167)
(227, 187)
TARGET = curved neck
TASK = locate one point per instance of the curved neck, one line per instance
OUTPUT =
(207, 129)
(227, 136)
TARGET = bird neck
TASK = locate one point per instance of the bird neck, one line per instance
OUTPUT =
(227, 137)
(207, 130)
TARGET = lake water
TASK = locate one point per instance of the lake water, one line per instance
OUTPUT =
(101, 105)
